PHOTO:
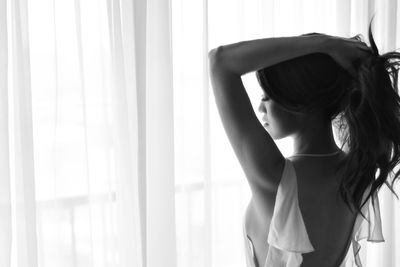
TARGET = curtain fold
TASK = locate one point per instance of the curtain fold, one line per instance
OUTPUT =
(5, 186)
(21, 156)
(160, 187)
(139, 23)
(126, 184)
(87, 134)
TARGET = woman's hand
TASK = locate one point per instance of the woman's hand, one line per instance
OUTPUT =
(347, 52)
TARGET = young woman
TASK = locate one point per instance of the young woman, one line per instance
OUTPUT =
(312, 208)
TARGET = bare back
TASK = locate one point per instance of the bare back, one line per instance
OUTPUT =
(328, 220)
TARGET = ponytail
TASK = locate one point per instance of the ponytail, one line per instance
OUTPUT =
(369, 127)
(365, 109)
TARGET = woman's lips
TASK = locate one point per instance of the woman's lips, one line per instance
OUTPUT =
(265, 123)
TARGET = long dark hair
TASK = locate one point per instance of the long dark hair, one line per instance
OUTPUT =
(365, 109)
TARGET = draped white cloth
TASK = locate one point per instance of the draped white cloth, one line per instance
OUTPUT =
(108, 125)
(86, 178)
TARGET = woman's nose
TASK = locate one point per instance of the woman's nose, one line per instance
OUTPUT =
(261, 107)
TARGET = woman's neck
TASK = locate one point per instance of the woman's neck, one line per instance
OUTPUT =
(315, 140)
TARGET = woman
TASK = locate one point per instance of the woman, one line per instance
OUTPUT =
(296, 215)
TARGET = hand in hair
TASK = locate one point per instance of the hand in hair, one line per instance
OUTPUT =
(347, 52)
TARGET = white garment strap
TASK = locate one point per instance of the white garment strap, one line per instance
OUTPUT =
(318, 155)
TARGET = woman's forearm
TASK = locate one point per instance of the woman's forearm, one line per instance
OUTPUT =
(247, 56)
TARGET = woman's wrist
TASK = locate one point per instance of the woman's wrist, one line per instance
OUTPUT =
(320, 43)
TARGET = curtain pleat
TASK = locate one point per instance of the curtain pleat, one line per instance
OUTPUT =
(82, 87)
(22, 160)
(208, 253)
(160, 187)
(5, 187)
(124, 139)
(140, 26)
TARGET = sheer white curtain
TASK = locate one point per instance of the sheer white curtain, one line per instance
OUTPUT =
(84, 133)
(112, 150)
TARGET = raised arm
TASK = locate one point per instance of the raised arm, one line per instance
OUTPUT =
(260, 158)
(257, 152)
(247, 56)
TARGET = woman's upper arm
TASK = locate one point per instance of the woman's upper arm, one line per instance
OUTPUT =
(260, 158)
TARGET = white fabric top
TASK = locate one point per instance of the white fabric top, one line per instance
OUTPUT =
(288, 238)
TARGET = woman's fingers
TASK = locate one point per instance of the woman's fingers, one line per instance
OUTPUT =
(366, 51)
(365, 48)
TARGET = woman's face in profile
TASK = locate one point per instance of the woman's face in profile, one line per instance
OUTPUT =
(278, 122)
